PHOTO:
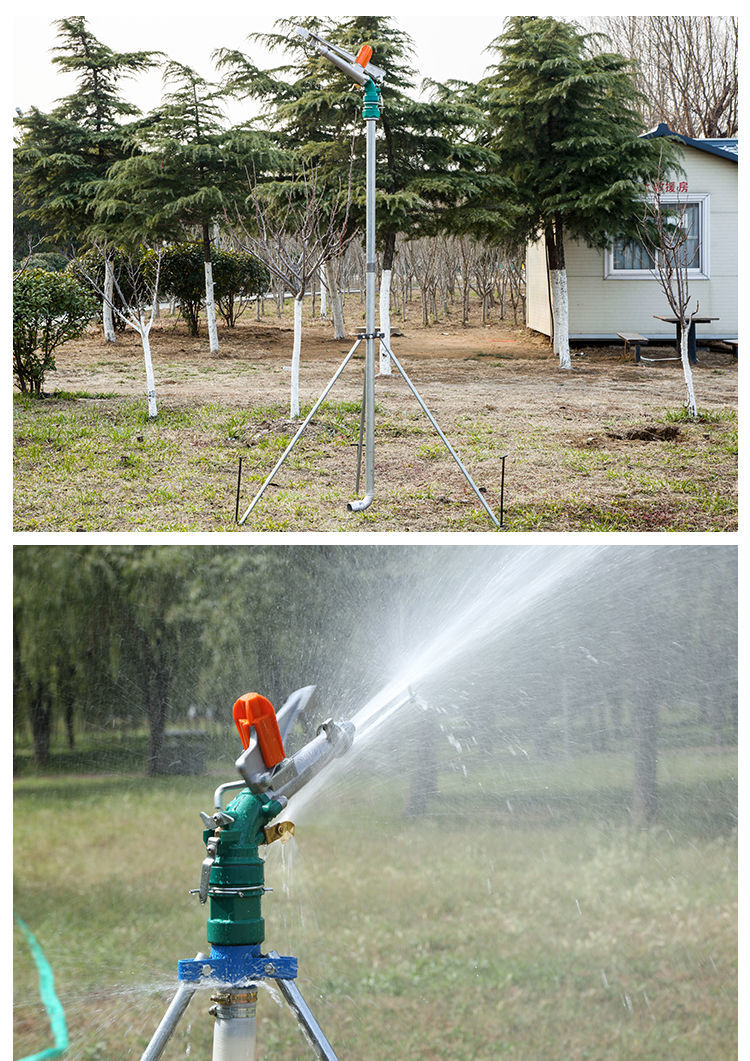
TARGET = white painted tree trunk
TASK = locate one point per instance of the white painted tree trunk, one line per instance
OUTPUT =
(150, 384)
(323, 294)
(334, 297)
(385, 321)
(213, 335)
(559, 279)
(692, 408)
(108, 320)
(296, 350)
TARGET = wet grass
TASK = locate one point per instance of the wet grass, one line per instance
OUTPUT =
(521, 917)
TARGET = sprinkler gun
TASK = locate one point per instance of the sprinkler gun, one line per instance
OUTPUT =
(358, 67)
(232, 878)
(232, 871)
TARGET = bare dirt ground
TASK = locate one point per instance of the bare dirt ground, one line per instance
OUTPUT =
(600, 447)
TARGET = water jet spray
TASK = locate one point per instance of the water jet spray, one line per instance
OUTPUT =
(232, 879)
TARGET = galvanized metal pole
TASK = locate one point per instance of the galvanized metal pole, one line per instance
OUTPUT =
(235, 1026)
(304, 1015)
(371, 113)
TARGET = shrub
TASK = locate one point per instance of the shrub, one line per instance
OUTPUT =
(237, 275)
(49, 260)
(48, 309)
(183, 278)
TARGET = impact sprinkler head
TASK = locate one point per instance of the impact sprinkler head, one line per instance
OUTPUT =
(263, 765)
(232, 873)
(232, 880)
(357, 67)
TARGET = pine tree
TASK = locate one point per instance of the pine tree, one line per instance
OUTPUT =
(61, 156)
(429, 162)
(186, 169)
(567, 128)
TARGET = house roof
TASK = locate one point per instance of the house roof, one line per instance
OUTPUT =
(724, 148)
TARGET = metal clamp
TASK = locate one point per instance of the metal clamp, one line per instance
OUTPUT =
(212, 846)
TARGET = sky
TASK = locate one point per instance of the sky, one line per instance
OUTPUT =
(447, 46)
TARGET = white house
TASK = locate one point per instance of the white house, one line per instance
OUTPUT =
(613, 290)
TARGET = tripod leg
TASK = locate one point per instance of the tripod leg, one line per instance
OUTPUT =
(170, 1020)
(294, 441)
(302, 1012)
(447, 444)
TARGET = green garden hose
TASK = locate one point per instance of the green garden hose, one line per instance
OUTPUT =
(49, 998)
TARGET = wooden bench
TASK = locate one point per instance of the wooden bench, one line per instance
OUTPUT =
(632, 338)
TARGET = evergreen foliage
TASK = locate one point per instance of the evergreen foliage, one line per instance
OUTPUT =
(567, 129)
(61, 156)
(183, 279)
(237, 275)
(50, 260)
(188, 169)
(432, 173)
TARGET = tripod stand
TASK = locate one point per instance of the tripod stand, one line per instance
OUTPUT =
(234, 1008)
(364, 73)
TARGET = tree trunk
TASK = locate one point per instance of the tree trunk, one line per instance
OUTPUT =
(70, 712)
(296, 350)
(323, 292)
(150, 384)
(334, 296)
(645, 740)
(40, 712)
(108, 320)
(385, 302)
(157, 687)
(385, 322)
(213, 335)
(553, 237)
(688, 372)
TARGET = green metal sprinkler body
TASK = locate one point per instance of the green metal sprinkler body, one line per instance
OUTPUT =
(371, 101)
(232, 879)
(236, 882)
(232, 873)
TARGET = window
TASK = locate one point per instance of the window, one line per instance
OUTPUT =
(628, 259)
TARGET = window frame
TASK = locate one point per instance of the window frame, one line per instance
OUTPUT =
(700, 272)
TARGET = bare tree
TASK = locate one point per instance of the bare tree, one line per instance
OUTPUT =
(687, 68)
(294, 229)
(333, 270)
(666, 233)
(485, 272)
(423, 255)
(138, 309)
(511, 283)
(468, 249)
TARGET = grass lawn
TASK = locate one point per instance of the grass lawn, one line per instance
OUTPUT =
(604, 447)
(521, 917)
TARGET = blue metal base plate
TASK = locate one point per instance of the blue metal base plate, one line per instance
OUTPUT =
(237, 965)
